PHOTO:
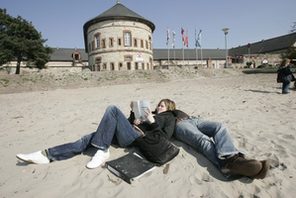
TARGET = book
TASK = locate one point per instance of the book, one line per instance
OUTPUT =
(140, 108)
(129, 167)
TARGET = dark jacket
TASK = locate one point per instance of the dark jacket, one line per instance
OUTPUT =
(164, 124)
(155, 144)
(285, 75)
(180, 115)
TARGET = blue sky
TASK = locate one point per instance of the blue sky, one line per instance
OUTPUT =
(61, 21)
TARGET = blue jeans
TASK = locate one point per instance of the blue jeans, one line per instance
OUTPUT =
(212, 139)
(285, 87)
(113, 124)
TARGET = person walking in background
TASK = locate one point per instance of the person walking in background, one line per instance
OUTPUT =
(285, 75)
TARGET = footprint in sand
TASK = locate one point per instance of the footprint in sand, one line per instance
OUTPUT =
(279, 148)
(289, 137)
(193, 179)
(275, 162)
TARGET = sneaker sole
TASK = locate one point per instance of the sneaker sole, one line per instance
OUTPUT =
(29, 161)
(24, 160)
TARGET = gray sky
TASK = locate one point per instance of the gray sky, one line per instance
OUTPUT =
(61, 21)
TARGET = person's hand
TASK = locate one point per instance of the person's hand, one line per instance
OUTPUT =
(149, 116)
(137, 122)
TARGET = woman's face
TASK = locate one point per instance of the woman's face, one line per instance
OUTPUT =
(161, 107)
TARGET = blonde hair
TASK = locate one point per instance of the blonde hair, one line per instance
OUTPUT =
(170, 105)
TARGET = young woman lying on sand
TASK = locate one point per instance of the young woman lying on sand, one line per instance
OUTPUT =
(213, 140)
(113, 126)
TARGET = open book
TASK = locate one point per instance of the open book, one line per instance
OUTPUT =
(129, 167)
(139, 107)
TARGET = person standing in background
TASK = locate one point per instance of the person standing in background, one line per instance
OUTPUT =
(285, 75)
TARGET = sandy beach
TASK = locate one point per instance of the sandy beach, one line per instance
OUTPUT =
(261, 121)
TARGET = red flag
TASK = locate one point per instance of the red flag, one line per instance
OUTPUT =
(186, 39)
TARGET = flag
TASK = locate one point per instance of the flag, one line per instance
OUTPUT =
(183, 36)
(174, 40)
(197, 38)
(168, 37)
(186, 39)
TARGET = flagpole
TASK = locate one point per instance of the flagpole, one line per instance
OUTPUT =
(196, 53)
(183, 55)
(186, 40)
(168, 45)
(201, 58)
(183, 41)
(174, 56)
(173, 45)
(168, 55)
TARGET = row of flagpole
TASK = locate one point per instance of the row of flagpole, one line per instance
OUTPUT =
(171, 36)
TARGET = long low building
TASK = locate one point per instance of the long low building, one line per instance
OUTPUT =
(265, 51)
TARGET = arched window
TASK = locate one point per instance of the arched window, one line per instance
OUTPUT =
(97, 41)
(135, 42)
(103, 43)
(111, 42)
(104, 66)
(98, 62)
(112, 67)
(127, 39)
(128, 64)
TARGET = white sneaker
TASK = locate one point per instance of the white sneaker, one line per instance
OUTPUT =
(98, 159)
(36, 157)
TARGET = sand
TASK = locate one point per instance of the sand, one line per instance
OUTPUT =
(261, 121)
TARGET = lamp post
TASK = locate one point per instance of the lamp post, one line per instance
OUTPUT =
(225, 30)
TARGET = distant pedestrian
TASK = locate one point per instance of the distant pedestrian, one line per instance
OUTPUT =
(285, 75)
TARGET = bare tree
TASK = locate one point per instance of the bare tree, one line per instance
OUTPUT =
(293, 27)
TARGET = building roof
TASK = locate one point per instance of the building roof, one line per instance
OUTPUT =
(276, 44)
(189, 54)
(65, 54)
(265, 46)
(117, 12)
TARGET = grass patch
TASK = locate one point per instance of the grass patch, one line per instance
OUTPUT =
(260, 71)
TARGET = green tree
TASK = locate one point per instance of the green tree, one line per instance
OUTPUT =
(21, 42)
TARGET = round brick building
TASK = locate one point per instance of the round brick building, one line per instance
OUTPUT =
(119, 39)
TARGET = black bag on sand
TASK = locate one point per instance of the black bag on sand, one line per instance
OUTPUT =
(156, 148)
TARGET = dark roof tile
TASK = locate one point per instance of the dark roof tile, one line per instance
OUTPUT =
(276, 44)
(65, 54)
